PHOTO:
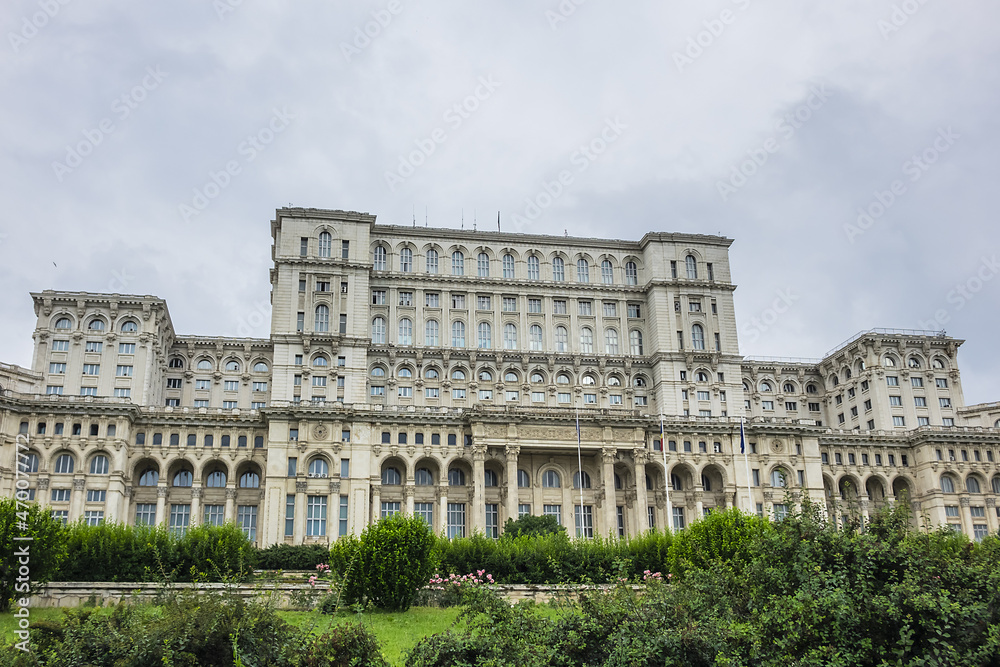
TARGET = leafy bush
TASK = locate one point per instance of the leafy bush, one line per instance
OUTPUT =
(529, 524)
(292, 556)
(391, 562)
(720, 537)
(41, 554)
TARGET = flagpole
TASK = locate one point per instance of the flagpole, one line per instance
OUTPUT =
(746, 462)
(666, 479)
(579, 463)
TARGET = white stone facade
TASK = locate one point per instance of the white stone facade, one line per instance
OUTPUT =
(448, 373)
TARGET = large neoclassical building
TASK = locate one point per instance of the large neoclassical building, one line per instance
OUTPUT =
(451, 374)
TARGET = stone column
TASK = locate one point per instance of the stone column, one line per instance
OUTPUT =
(376, 509)
(442, 518)
(610, 527)
(866, 515)
(161, 503)
(300, 512)
(76, 502)
(196, 506)
(512, 452)
(478, 508)
(991, 515)
(965, 513)
(408, 491)
(639, 456)
(699, 504)
(231, 504)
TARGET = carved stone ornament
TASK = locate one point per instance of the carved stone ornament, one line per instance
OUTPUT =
(320, 431)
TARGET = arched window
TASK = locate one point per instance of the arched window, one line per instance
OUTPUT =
(431, 374)
(391, 477)
(607, 272)
(458, 374)
(183, 478)
(562, 378)
(582, 270)
(64, 464)
(216, 480)
(432, 335)
(457, 263)
(483, 265)
(972, 485)
(510, 376)
(378, 372)
(789, 388)
(778, 478)
(379, 263)
(914, 362)
(322, 318)
(96, 324)
(404, 372)
(835, 380)
(99, 465)
(889, 362)
(586, 340)
(811, 389)
(618, 483)
(675, 482)
(405, 260)
(692, 267)
(508, 266)
(576, 480)
(149, 477)
(947, 485)
(635, 342)
(423, 477)
(129, 326)
(533, 268)
(537, 378)
(484, 336)
(490, 478)
(639, 381)
(509, 337)
(249, 480)
(631, 274)
(325, 242)
(558, 269)
(432, 261)
(766, 387)
(550, 479)
(378, 331)
(996, 484)
(176, 362)
(319, 468)
(706, 483)
(260, 367)
(64, 323)
(701, 376)
(458, 334)
(938, 362)
(535, 337)
(28, 463)
(614, 381)
(204, 365)
(588, 379)
(320, 361)
(697, 337)
(485, 376)
(406, 331)
(524, 480)
(456, 477)
(611, 341)
(233, 366)
(562, 339)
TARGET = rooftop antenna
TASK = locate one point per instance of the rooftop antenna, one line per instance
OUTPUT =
(425, 215)
(414, 215)
(498, 221)
(473, 219)
(463, 218)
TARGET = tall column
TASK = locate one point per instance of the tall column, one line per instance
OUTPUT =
(991, 515)
(231, 504)
(408, 495)
(512, 452)
(76, 502)
(639, 456)
(478, 508)
(195, 506)
(300, 511)
(442, 521)
(699, 506)
(116, 507)
(610, 505)
(376, 509)
(161, 503)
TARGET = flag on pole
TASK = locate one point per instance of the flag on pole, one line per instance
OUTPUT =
(743, 440)
(580, 530)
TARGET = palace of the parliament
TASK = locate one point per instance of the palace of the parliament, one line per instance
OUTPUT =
(449, 374)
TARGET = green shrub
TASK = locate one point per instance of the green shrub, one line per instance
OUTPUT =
(218, 552)
(720, 537)
(41, 554)
(529, 524)
(292, 556)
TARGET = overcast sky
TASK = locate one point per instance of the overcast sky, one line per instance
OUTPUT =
(775, 124)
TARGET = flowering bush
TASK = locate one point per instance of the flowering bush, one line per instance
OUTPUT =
(450, 590)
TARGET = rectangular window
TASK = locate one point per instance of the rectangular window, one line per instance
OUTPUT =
(564, 397)
(53, 390)
(389, 509)
(896, 401)
(899, 421)
(792, 406)
(289, 515)
(215, 515)
(180, 518)
(559, 306)
(892, 380)
(458, 393)
(945, 402)
(456, 520)
(634, 311)
(300, 322)
(538, 397)
(406, 298)
(756, 476)
(246, 518)
(342, 528)
(91, 369)
(458, 301)
(60, 495)
(432, 392)
(553, 510)
(610, 309)
(425, 511)
(534, 305)
(230, 405)
(345, 249)
(651, 517)
(509, 304)
(432, 300)
(322, 285)
(584, 527)
(942, 383)
(678, 518)
(96, 495)
(303, 246)
(979, 532)
(586, 307)
(316, 516)
(57, 369)
(523, 509)
(977, 511)
(378, 297)
(60, 346)
(93, 346)
(492, 520)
